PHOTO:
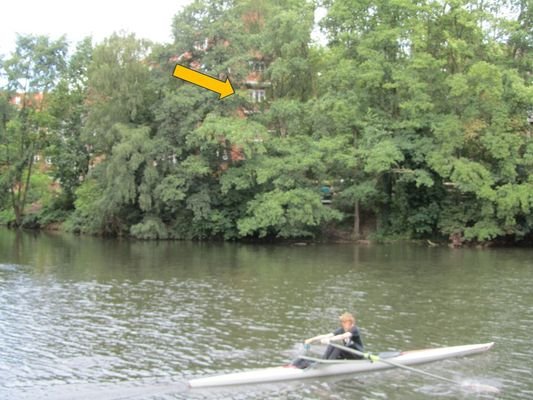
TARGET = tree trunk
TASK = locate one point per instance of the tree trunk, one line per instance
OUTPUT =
(14, 204)
(18, 216)
(27, 186)
(19, 201)
(356, 221)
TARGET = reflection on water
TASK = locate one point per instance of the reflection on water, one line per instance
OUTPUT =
(89, 318)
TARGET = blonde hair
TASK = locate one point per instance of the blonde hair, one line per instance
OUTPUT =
(347, 317)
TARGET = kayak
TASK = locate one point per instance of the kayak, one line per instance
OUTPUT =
(320, 368)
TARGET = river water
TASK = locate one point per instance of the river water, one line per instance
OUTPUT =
(90, 318)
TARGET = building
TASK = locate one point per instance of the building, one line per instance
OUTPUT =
(21, 100)
(254, 83)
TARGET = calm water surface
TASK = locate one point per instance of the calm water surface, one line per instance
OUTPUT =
(86, 318)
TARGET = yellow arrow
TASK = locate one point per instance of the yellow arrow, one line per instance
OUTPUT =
(224, 89)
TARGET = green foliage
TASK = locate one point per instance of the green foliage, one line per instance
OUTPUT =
(149, 228)
(118, 89)
(483, 230)
(414, 116)
(87, 218)
(67, 105)
(130, 157)
(7, 216)
(286, 214)
(41, 189)
(51, 214)
(31, 72)
(382, 157)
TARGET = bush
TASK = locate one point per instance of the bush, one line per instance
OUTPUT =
(7, 216)
(149, 228)
(87, 217)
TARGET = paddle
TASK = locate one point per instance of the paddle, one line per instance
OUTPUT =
(371, 357)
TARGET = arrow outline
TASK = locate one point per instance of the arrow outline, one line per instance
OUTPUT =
(227, 81)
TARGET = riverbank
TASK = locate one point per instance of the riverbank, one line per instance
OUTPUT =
(332, 237)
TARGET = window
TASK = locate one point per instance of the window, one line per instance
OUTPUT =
(257, 95)
(48, 160)
(36, 158)
(222, 154)
(258, 66)
(201, 45)
(173, 159)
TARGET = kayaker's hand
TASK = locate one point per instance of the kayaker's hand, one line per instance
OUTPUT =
(371, 357)
(307, 346)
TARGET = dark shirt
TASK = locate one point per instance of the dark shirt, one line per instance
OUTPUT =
(355, 342)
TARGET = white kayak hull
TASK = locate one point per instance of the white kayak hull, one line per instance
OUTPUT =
(286, 373)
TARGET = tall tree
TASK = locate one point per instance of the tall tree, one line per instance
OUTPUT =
(31, 72)
(67, 104)
(118, 90)
(430, 75)
(118, 104)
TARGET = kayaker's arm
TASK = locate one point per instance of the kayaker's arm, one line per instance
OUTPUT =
(338, 338)
(318, 338)
(325, 339)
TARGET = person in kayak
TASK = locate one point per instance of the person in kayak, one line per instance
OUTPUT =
(348, 333)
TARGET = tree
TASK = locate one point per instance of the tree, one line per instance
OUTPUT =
(118, 90)
(414, 115)
(435, 108)
(113, 81)
(32, 71)
(67, 104)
